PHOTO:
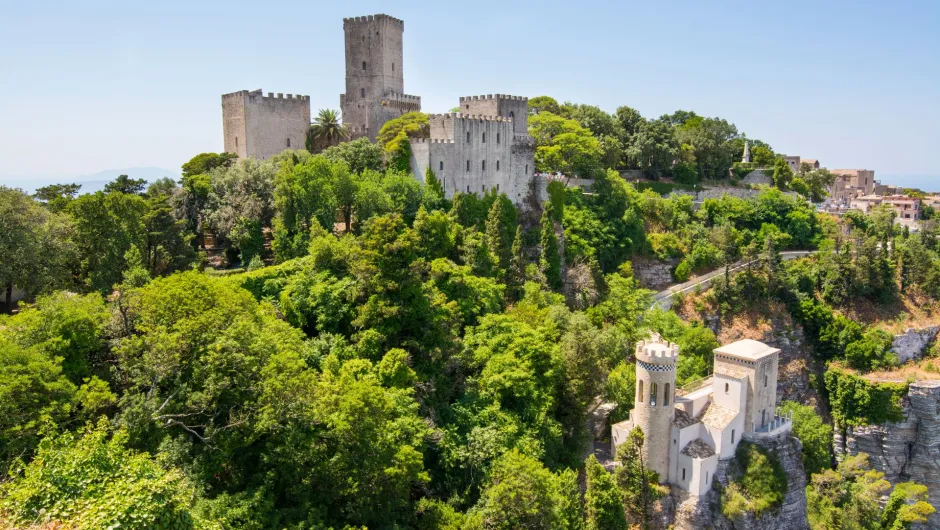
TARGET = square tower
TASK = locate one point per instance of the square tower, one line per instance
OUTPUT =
(758, 362)
(375, 79)
(503, 105)
(259, 126)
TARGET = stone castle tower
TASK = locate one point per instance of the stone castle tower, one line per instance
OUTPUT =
(375, 81)
(259, 126)
(654, 408)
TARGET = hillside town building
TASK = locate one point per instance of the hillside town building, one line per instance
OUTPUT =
(688, 430)
(851, 183)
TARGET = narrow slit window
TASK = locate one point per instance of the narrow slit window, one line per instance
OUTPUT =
(468, 137)
(483, 188)
(362, 92)
(497, 165)
(483, 165)
(727, 387)
(288, 145)
(765, 381)
(497, 184)
(732, 435)
(639, 393)
(363, 65)
(683, 473)
(468, 165)
(484, 138)
(441, 167)
(236, 142)
(393, 67)
(666, 395)
(497, 137)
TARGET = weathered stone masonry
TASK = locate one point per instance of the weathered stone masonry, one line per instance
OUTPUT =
(259, 126)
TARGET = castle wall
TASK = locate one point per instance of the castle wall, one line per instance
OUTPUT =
(261, 126)
(515, 107)
(475, 154)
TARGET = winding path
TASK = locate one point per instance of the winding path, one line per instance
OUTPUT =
(664, 298)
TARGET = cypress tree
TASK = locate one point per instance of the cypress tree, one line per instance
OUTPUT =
(550, 261)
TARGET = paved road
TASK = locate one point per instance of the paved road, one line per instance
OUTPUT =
(664, 298)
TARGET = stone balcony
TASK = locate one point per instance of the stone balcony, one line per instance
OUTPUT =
(778, 424)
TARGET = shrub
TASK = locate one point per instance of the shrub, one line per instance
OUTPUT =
(683, 271)
(760, 484)
(814, 435)
(857, 401)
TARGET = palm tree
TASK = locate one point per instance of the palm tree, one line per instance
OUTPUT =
(326, 130)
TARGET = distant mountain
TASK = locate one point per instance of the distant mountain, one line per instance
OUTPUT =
(90, 183)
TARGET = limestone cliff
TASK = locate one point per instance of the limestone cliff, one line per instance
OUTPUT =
(909, 450)
(686, 512)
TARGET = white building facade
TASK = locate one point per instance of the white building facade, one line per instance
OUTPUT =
(706, 419)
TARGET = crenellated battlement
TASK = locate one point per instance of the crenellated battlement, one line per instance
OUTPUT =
(358, 130)
(372, 18)
(460, 116)
(431, 140)
(271, 95)
(493, 96)
(657, 350)
(403, 97)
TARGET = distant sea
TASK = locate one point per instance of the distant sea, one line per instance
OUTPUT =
(90, 183)
(927, 183)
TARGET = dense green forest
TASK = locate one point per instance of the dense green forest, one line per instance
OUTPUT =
(370, 354)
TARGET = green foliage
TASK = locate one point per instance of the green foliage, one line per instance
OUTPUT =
(857, 401)
(92, 481)
(325, 131)
(782, 175)
(563, 145)
(815, 436)
(358, 155)
(412, 124)
(851, 495)
(550, 260)
(36, 245)
(203, 163)
(682, 271)
(759, 484)
(57, 196)
(304, 199)
(639, 484)
(602, 498)
(125, 184)
(621, 389)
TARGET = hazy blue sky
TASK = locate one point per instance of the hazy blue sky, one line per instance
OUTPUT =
(88, 86)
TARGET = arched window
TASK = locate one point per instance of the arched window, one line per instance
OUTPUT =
(362, 92)
(442, 166)
(483, 165)
(511, 114)
(666, 395)
(288, 142)
(363, 65)
(653, 391)
(639, 392)
(727, 387)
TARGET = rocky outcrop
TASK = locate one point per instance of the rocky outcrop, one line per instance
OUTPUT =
(687, 512)
(759, 177)
(908, 450)
(911, 344)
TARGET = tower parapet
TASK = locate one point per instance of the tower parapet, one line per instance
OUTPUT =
(656, 350)
(654, 410)
(504, 105)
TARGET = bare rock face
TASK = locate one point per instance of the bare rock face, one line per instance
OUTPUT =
(908, 450)
(911, 344)
(654, 274)
(688, 512)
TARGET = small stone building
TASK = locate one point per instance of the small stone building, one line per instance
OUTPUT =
(689, 430)
(259, 126)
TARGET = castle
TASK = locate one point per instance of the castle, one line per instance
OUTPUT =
(689, 430)
(486, 146)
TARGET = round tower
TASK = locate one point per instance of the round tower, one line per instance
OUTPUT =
(654, 409)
